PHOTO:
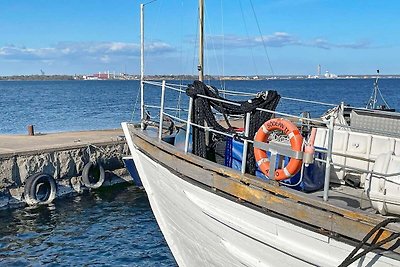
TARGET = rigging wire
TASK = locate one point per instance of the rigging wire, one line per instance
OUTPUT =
(380, 93)
(135, 105)
(178, 105)
(149, 2)
(373, 99)
(213, 46)
(248, 36)
(156, 23)
(262, 38)
(223, 84)
(195, 47)
(219, 68)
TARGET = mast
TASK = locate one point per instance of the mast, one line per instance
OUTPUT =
(200, 67)
(376, 88)
(141, 65)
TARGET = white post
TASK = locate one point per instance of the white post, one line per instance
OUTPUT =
(328, 158)
(141, 65)
(245, 143)
(188, 125)
(160, 128)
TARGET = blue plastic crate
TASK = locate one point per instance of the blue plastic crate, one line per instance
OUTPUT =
(313, 175)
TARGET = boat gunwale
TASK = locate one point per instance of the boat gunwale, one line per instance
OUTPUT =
(349, 223)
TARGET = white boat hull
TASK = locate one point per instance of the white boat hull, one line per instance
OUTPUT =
(203, 228)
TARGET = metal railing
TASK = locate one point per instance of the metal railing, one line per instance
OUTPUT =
(330, 125)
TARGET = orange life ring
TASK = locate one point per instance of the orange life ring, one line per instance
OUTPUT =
(296, 142)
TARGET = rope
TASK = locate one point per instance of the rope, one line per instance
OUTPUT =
(135, 105)
(383, 99)
(92, 157)
(352, 257)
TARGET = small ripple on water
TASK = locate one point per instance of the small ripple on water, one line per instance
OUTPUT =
(110, 227)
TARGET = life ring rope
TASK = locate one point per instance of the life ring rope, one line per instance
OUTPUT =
(261, 161)
(296, 143)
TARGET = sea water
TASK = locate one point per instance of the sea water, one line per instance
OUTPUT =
(110, 227)
(56, 106)
(116, 226)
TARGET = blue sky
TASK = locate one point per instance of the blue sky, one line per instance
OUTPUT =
(88, 36)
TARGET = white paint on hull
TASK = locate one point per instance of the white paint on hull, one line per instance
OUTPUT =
(205, 229)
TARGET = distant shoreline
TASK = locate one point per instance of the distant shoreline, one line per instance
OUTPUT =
(37, 78)
(188, 77)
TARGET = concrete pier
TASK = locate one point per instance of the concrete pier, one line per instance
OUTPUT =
(61, 155)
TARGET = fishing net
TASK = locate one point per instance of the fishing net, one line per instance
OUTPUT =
(211, 145)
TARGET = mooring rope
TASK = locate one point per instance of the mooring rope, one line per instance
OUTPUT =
(352, 257)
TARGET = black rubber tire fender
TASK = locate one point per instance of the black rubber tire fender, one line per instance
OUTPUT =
(93, 175)
(40, 188)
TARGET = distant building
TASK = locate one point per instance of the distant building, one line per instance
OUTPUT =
(328, 75)
(97, 76)
(89, 77)
(102, 76)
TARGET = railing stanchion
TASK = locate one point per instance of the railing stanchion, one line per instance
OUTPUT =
(188, 125)
(328, 158)
(245, 143)
(160, 128)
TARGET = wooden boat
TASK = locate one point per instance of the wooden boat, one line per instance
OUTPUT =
(215, 215)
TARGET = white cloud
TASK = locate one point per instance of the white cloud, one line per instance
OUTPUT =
(278, 39)
(324, 44)
(104, 51)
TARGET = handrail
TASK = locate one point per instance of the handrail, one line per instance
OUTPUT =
(167, 108)
(308, 101)
(331, 125)
(365, 130)
(238, 93)
(174, 117)
(359, 169)
(166, 86)
(262, 109)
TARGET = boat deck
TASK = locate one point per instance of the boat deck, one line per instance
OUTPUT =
(347, 197)
(340, 195)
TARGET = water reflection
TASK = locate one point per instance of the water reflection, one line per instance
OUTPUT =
(105, 227)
